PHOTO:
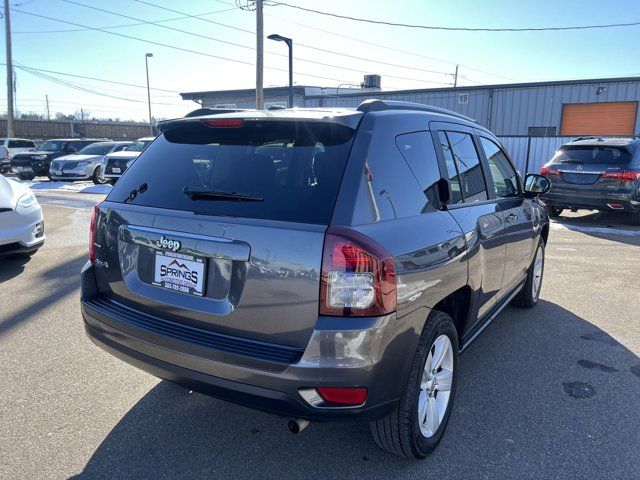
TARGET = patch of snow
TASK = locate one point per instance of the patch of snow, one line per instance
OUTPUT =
(73, 187)
(103, 189)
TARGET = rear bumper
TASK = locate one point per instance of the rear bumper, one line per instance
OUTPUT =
(593, 201)
(381, 364)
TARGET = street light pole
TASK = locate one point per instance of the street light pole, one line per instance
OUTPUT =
(289, 42)
(146, 63)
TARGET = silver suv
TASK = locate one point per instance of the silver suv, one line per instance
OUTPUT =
(317, 264)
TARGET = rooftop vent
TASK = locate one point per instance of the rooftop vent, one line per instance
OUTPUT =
(372, 82)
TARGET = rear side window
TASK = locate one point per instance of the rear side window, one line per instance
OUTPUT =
(14, 144)
(419, 153)
(290, 170)
(590, 155)
(467, 165)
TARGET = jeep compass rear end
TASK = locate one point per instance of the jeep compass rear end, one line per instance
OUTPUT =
(317, 264)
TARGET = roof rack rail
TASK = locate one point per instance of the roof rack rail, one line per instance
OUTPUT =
(375, 105)
(211, 111)
(586, 137)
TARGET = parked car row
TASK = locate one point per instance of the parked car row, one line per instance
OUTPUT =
(76, 159)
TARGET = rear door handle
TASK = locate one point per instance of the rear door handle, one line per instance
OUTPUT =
(512, 217)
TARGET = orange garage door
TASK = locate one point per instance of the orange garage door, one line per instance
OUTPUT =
(609, 118)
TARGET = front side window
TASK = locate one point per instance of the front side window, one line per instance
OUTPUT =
(505, 178)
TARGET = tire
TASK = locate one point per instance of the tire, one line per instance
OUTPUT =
(97, 177)
(634, 218)
(401, 432)
(25, 177)
(530, 293)
(112, 181)
(554, 212)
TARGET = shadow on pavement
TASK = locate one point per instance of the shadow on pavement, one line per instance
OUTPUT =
(605, 225)
(542, 394)
(12, 265)
(65, 278)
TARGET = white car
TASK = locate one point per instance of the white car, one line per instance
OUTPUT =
(21, 223)
(85, 164)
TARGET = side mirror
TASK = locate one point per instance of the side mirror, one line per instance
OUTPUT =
(535, 185)
(444, 192)
(72, 150)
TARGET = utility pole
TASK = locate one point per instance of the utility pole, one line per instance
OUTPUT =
(146, 64)
(7, 32)
(48, 113)
(455, 77)
(259, 55)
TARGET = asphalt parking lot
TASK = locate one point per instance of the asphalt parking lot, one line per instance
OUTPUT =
(552, 392)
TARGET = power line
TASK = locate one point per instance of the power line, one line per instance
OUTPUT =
(457, 29)
(97, 79)
(124, 25)
(173, 47)
(298, 44)
(359, 71)
(79, 87)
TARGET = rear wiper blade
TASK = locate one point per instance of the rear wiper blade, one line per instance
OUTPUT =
(195, 194)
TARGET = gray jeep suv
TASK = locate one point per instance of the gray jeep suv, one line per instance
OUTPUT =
(317, 264)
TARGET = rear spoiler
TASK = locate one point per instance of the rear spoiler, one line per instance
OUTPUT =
(200, 112)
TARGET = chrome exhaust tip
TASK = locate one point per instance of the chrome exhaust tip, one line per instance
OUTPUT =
(296, 425)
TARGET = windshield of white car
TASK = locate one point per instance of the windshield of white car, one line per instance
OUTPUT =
(96, 149)
(137, 146)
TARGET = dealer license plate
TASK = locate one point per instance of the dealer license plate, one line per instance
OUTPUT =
(180, 273)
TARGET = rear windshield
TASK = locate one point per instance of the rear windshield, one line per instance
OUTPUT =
(96, 149)
(291, 170)
(593, 155)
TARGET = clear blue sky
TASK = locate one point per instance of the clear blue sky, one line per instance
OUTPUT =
(483, 57)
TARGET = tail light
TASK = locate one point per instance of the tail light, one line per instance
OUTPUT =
(358, 276)
(546, 171)
(343, 396)
(623, 175)
(92, 233)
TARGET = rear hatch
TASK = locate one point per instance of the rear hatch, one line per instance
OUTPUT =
(220, 227)
(589, 169)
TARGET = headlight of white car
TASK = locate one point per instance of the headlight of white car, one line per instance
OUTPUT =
(39, 157)
(27, 200)
(129, 163)
(83, 164)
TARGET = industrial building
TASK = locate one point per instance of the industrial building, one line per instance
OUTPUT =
(531, 119)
